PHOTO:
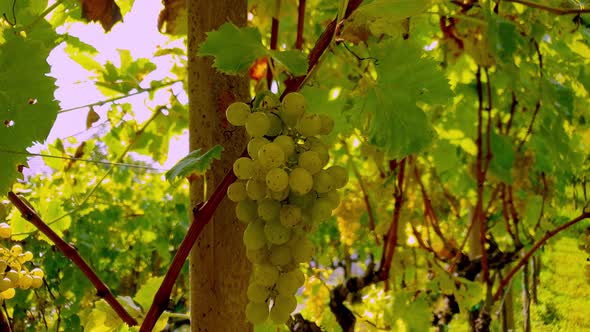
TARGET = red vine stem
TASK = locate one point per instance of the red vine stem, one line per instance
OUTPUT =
(205, 211)
(274, 37)
(4, 323)
(300, 23)
(102, 290)
(201, 217)
(391, 240)
(536, 247)
(480, 169)
(320, 47)
(428, 209)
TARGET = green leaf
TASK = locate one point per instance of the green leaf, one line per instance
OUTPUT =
(194, 162)
(27, 105)
(404, 78)
(234, 48)
(502, 157)
(145, 295)
(294, 61)
(381, 16)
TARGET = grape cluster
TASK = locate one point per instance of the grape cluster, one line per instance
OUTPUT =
(13, 272)
(284, 190)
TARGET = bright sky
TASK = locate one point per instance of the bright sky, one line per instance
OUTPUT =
(139, 34)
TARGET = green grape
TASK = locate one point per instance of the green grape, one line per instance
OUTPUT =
(13, 276)
(237, 113)
(254, 237)
(321, 210)
(280, 195)
(16, 250)
(5, 230)
(333, 197)
(323, 182)
(259, 171)
(236, 191)
(280, 255)
(246, 211)
(254, 145)
(265, 274)
(289, 282)
(25, 281)
(300, 181)
(282, 308)
(257, 124)
(276, 233)
(318, 147)
(302, 251)
(5, 284)
(271, 155)
(311, 161)
(294, 105)
(339, 175)
(37, 282)
(257, 256)
(25, 257)
(258, 293)
(327, 124)
(286, 143)
(290, 215)
(269, 209)
(277, 179)
(309, 125)
(276, 125)
(243, 168)
(303, 201)
(256, 313)
(269, 101)
(256, 189)
(37, 272)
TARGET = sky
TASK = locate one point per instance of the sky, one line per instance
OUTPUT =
(139, 34)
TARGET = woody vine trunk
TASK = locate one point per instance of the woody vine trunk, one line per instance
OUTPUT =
(219, 269)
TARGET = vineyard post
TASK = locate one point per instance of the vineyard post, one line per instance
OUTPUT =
(219, 270)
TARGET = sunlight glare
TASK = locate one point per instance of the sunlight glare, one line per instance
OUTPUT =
(334, 93)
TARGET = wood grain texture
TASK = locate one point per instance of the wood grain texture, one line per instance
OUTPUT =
(219, 270)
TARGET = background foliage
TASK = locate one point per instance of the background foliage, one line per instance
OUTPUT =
(467, 112)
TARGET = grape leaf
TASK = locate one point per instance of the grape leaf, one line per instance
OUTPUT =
(194, 162)
(404, 78)
(381, 16)
(502, 157)
(294, 61)
(145, 294)
(28, 109)
(235, 49)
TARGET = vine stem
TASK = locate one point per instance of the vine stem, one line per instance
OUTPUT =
(320, 47)
(201, 217)
(41, 16)
(102, 290)
(106, 101)
(300, 24)
(536, 246)
(4, 323)
(390, 243)
(553, 10)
